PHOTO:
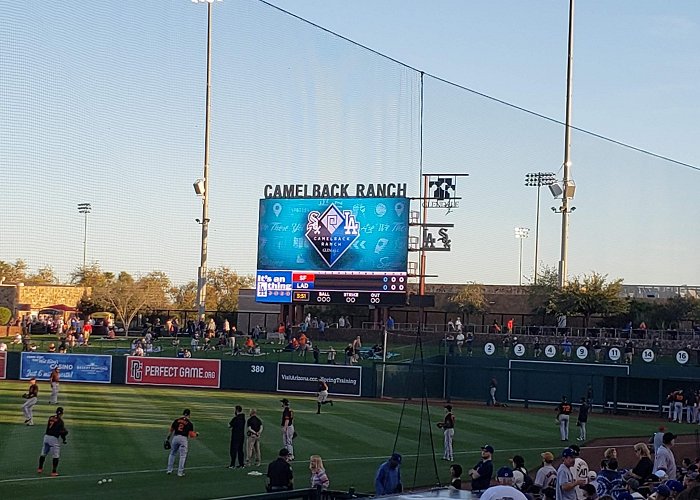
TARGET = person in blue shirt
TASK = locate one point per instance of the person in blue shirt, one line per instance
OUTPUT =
(482, 472)
(388, 478)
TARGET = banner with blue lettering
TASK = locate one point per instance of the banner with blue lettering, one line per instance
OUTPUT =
(73, 367)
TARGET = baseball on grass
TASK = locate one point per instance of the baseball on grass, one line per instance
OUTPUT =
(109, 480)
(99, 482)
(104, 480)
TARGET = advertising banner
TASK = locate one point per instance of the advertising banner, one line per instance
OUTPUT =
(74, 367)
(178, 372)
(341, 380)
(3, 365)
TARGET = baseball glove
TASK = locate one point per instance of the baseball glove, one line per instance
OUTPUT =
(440, 424)
(25, 395)
(166, 445)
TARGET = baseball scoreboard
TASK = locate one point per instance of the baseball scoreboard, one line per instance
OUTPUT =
(333, 251)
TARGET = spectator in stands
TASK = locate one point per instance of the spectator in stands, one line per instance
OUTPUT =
(566, 483)
(279, 473)
(642, 472)
(510, 326)
(388, 478)
(546, 476)
(505, 488)
(483, 471)
(495, 328)
(455, 477)
(664, 459)
(458, 324)
(331, 355)
(609, 478)
(390, 323)
(519, 471)
(633, 489)
(319, 478)
(589, 492)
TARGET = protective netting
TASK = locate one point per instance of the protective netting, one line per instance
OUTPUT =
(103, 102)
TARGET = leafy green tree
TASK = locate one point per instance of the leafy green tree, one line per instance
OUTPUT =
(127, 296)
(91, 276)
(588, 295)
(159, 286)
(470, 299)
(13, 272)
(184, 296)
(677, 309)
(44, 276)
(541, 292)
(223, 285)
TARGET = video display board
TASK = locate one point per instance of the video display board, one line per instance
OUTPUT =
(342, 250)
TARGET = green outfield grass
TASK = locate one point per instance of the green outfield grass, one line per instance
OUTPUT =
(117, 432)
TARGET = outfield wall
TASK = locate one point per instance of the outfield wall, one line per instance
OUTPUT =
(253, 375)
(529, 381)
(462, 378)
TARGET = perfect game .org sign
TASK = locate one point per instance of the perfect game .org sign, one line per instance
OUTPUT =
(74, 367)
(178, 372)
(341, 380)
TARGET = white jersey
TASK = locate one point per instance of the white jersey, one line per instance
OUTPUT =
(502, 492)
(580, 471)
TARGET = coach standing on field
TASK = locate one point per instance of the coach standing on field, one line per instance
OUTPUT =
(288, 428)
(237, 426)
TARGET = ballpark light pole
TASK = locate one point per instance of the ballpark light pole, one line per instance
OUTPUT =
(568, 183)
(202, 273)
(539, 179)
(521, 233)
(85, 209)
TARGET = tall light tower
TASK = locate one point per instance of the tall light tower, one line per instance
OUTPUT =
(569, 186)
(85, 209)
(539, 179)
(521, 233)
(202, 272)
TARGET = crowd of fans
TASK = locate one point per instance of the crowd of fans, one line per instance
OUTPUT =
(654, 475)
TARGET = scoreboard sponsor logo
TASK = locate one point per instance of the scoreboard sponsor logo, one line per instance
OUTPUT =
(74, 367)
(301, 377)
(173, 372)
(3, 365)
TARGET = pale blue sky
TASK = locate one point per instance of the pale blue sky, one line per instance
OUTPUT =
(103, 102)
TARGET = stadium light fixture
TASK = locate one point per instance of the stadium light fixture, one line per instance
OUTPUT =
(539, 179)
(521, 233)
(85, 209)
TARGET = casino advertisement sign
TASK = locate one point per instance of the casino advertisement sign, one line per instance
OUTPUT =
(73, 367)
(178, 372)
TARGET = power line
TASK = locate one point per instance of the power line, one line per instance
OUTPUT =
(481, 94)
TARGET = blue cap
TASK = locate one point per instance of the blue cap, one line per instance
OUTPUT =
(674, 485)
(395, 457)
(568, 452)
(625, 495)
(663, 490)
(504, 472)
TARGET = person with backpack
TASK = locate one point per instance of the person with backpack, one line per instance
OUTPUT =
(521, 480)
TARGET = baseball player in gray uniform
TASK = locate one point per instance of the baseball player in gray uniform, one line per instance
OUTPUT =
(180, 431)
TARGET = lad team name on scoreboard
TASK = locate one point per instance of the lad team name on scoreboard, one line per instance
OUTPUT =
(390, 190)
